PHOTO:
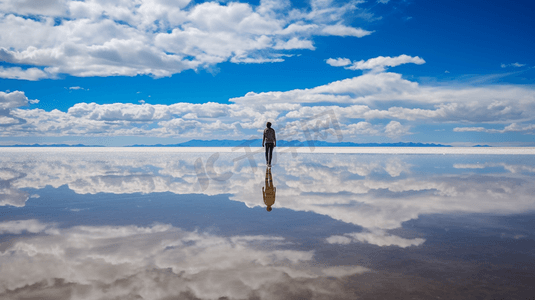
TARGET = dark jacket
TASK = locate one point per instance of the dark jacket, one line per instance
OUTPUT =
(269, 136)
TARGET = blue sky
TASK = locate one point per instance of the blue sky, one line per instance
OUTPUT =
(151, 71)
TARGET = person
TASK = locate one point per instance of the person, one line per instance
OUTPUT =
(269, 141)
(269, 192)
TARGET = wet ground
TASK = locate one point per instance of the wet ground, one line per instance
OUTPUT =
(166, 224)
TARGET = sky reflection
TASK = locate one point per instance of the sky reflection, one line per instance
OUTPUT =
(90, 224)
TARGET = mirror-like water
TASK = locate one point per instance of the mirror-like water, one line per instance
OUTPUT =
(94, 224)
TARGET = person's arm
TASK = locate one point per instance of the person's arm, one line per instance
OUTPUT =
(263, 138)
(275, 139)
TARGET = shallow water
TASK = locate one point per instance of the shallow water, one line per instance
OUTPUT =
(168, 224)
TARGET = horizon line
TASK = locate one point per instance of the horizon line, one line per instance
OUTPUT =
(301, 150)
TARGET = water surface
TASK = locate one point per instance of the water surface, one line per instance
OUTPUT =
(170, 224)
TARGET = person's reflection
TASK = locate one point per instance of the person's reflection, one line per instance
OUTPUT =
(269, 192)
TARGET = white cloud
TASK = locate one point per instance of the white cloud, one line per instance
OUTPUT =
(338, 62)
(380, 63)
(503, 103)
(395, 129)
(34, 7)
(342, 30)
(355, 102)
(516, 65)
(156, 37)
(377, 64)
(7, 120)
(364, 128)
(294, 43)
(25, 74)
(514, 127)
(469, 129)
(469, 166)
(13, 100)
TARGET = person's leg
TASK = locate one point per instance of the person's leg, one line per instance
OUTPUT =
(267, 152)
(271, 146)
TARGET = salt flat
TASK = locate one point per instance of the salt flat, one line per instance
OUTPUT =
(349, 150)
(405, 221)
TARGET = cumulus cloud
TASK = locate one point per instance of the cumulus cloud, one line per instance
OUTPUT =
(32, 74)
(13, 100)
(342, 30)
(514, 127)
(132, 261)
(355, 102)
(395, 129)
(338, 62)
(4, 120)
(363, 128)
(408, 100)
(34, 7)
(155, 37)
(377, 64)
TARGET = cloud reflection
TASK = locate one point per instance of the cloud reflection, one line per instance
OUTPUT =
(376, 192)
(8, 194)
(378, 237)
(156, 262)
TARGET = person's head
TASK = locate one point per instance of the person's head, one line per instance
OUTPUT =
(268, 124)
(268, 208)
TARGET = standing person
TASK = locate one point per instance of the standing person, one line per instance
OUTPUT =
(269, 141)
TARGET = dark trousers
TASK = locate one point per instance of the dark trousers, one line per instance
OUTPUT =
(269, 152)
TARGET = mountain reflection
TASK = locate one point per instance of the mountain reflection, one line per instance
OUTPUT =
(268, 192)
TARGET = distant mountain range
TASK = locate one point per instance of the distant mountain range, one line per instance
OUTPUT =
(258, 143)
(293, 143)
(52, 145)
